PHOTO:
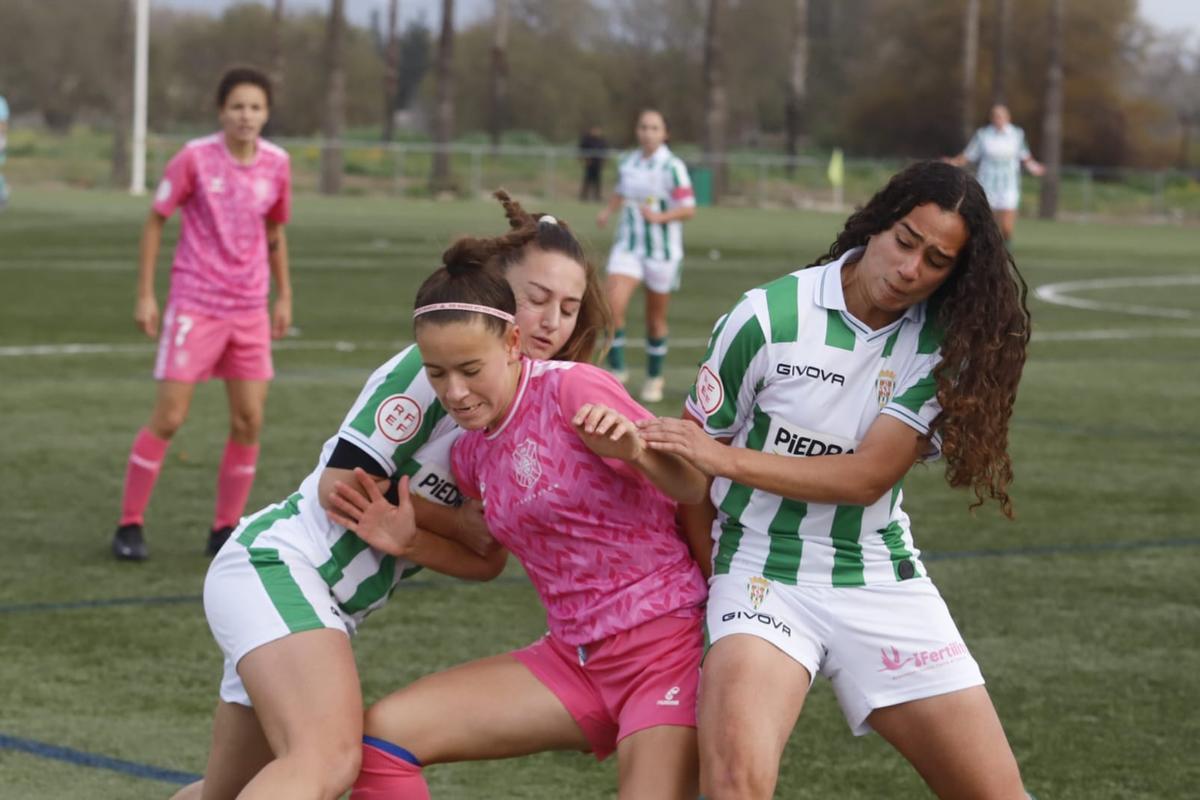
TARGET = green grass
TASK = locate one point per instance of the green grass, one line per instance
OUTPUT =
(1090, 650)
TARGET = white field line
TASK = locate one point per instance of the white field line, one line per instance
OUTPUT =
(1059, 294)
(101, 348)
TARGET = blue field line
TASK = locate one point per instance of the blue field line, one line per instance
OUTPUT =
(43, 750)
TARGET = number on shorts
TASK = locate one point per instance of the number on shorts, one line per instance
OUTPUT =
(182, 329)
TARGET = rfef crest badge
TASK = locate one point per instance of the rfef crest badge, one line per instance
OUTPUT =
(758, 588)
(885, 384)
(526, 466)
(710, 394)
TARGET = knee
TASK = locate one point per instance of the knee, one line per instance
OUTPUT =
(166, 421)
(245, 426)
(332, 768)
(731, 775)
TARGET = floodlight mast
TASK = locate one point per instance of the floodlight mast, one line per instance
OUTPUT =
(137, 183)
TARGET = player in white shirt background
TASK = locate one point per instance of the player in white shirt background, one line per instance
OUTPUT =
(655, 197)
(819, 392)
(1000, 150)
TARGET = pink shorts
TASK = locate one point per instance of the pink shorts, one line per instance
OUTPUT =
(194, 347)
(630, 681)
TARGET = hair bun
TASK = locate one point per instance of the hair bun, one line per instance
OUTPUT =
(465, 255)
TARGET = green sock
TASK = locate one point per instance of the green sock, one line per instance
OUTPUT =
(656, 354)
(616, 353)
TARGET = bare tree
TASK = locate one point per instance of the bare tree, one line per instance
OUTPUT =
(1052, 121)
(335, 100)
(391, 71)
(797, 77)
(970, 65)
(443, 112)
(1000, 51)
(499, 78)
(715, 102)
(276, 62)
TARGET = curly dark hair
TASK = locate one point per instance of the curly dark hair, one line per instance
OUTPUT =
(474, 267)
(983, 317)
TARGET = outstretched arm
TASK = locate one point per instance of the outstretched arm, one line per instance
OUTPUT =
(393, 529)
(610, 434)
(886, 453)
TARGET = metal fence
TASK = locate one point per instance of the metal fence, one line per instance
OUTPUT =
(759, 180)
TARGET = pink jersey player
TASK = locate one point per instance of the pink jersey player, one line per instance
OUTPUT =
(220, 265)
(569, 487)
(233, 190)
(595, 536)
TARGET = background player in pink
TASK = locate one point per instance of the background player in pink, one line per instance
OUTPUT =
(234, 192)
(620, 666)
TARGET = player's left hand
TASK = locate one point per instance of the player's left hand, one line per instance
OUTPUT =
(685, 439)
(652, 216)
(281, 317)
(364, 510)
(608, 433)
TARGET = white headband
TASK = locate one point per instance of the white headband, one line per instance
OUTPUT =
(478, 309)
(546, 219)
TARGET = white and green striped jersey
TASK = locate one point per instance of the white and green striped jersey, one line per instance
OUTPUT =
(790, 371)
(999, 153)
(398, 421)
(662, 183)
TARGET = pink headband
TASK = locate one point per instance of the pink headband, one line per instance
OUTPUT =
(478, 309)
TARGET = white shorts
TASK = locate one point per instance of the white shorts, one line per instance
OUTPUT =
(658, 275)
(254, 596)
(878, 645)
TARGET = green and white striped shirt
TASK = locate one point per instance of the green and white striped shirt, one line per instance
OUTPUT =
(790, 371)
(662, 183)
(398, 421)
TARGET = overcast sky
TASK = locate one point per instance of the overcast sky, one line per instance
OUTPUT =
(1167, 14)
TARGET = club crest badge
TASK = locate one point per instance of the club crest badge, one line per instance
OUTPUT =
(758, 588)
(885, 385)
(526, 466)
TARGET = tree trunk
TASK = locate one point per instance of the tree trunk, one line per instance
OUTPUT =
(391, 72)
(716, 111)
(1052, 122)
(797, 78)
(276, 121)
(335, 101)
(443, 113)
(1000, 51)
(970, 65)
(499, 107)
(122, 97)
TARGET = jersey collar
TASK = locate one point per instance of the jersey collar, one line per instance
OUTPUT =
(828, 294)
(661, 154)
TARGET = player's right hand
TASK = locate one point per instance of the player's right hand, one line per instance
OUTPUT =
(145, 314)
(379, 523)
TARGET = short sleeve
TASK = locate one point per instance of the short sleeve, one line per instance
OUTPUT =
(733, 367)
(620, 187)
(462, 467)
(1023, 151)
(682, 195)
(177, 183)
(583, 384)
(281, 212)
(915, 402)
(974, 150)
(394, 413)
(3, 110)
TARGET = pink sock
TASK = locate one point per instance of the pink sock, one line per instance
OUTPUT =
(388, 773)
(234, 482)
(145, 460)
